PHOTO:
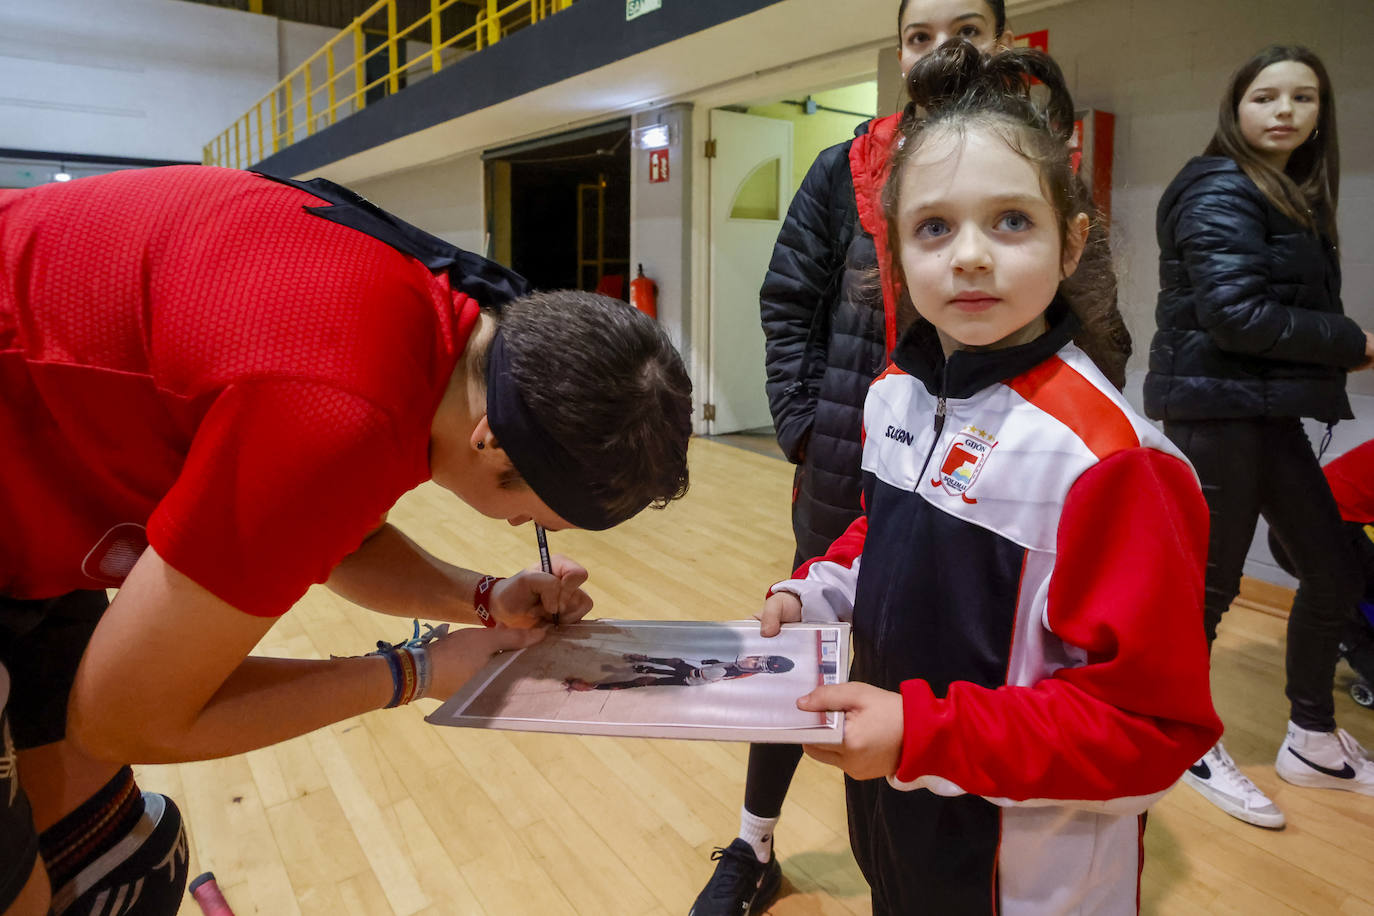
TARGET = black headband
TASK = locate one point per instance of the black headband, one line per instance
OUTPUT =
(544, 464)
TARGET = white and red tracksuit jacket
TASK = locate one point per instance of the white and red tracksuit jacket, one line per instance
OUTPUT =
(1028, 573)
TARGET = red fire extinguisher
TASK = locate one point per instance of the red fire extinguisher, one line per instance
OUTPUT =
(644, 294)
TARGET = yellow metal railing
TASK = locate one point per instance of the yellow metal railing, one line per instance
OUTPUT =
(322, 90)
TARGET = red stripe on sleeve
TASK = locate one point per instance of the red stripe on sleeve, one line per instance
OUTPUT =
(1058, 390)
(1127, 591)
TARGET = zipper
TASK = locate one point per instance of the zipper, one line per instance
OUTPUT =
(939, 418)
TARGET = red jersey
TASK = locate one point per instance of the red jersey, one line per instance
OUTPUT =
(191, 360)
(1351, 477)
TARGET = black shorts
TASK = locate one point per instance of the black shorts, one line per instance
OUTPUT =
(18, 838)
(41, 643)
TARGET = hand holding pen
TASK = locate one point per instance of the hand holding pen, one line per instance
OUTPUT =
(549, 592)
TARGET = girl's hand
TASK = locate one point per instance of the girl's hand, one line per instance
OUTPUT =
(455, 658)
(533, 597)
(873, 726)
(780, 608)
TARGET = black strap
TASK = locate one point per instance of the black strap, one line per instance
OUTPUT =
(486, 281)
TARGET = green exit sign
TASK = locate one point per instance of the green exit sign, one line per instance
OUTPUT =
(636, 8)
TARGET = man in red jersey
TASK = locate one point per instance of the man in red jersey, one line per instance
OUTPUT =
(213, 386)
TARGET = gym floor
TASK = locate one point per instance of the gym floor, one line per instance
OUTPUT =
(384, 814)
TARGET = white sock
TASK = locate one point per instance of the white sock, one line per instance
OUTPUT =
(758, 833)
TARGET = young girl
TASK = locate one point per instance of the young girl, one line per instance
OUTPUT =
(1025, 583)
(825, 342)
(1251, 339)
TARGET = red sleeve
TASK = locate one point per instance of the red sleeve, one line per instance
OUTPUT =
(1127, 590)
(1352, 483)
(846, 548)
(282, 481)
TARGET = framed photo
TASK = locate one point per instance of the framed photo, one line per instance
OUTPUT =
(657, 679)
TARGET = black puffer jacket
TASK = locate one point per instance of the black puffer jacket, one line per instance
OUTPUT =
(1249, 312)
(823, 319)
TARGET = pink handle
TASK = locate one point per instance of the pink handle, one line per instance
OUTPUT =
(206, 892)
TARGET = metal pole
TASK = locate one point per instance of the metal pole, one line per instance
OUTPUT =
(359, 67)
(493, 22)
(394, 60)
(436, 36)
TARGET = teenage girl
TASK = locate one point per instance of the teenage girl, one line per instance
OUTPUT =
(1025, 583)
(1252, 338)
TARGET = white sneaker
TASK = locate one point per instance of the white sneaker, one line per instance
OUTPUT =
(1217, 779)
(1325, 760)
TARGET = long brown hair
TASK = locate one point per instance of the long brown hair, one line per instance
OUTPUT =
(1307, 190)
(959, 87)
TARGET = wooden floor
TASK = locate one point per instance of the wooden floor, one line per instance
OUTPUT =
(384, 814)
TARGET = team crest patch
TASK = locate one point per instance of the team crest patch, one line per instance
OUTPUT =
(964, 462)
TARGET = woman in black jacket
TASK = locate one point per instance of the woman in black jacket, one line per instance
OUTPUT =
(1251, 339)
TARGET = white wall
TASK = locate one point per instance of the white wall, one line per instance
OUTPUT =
(1161, 67)
(445, 198)
(661, 226)
(139, 78)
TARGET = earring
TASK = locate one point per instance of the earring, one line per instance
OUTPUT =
(481, 445)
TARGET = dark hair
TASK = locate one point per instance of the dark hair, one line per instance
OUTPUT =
(1307, 190)
(605, 382)
(778, 664)
(957, 87)
(998, 7)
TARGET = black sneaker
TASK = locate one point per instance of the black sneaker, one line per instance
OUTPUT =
(741, 884)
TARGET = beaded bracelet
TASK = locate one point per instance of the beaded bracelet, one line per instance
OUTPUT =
(481, 599)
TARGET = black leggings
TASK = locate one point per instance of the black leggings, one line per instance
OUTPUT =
(1255, 467)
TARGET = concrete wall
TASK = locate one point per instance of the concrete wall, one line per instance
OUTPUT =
(138, 78)
(445, 198)
(661, 223)
(1161, 67)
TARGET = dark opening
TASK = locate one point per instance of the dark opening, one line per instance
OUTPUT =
(548, 188)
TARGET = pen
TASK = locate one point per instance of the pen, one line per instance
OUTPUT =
(544, 562)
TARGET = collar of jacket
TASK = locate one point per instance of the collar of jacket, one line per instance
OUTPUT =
(870, 161)
(967, 372)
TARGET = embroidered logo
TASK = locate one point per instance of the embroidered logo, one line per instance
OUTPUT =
(964, 462)
(900, 435)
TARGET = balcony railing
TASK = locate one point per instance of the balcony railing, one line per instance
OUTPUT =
(335, 81)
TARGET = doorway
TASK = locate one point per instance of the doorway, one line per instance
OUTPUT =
(759, 155)
(558, 210)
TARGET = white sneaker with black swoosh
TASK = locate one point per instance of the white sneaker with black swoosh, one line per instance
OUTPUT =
(1325, 760)
(1217, 778)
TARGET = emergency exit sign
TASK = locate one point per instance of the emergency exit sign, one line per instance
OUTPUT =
(658, 166)
(636, 8)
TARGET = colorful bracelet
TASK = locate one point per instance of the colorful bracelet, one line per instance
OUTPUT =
(481, 599)
(397, 679)
(423, 673)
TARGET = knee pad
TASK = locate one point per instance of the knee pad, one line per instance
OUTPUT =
(139, 872)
